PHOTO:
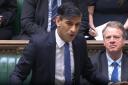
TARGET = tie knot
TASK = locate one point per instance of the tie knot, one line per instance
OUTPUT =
(66, 44)
(115, 64)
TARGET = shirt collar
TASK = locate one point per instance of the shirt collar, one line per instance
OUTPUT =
(59, 41)
(110, 61)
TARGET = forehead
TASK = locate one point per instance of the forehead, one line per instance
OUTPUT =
(112, 31)
(73, 19)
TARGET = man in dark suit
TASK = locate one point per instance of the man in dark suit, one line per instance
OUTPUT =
(7, 16)
(35, 16)
(45, 54)
(114, 37)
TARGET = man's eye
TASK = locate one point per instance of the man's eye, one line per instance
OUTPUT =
(108, 37)
(78, 24)
(70, 24)
(116, 37)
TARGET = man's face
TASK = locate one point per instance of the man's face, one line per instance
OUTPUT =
(68, 28)
(113, 39)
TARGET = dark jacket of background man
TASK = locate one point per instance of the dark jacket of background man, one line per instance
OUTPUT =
(7, 14)
(34, 18)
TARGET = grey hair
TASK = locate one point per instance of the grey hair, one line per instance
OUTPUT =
(116, 25)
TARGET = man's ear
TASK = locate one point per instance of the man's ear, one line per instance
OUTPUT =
(58, 21)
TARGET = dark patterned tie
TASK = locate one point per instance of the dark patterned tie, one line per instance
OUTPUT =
(114, 77)
(54, 14)
(67, 65)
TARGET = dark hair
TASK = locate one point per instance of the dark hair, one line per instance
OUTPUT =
(68, 10)
(117, 25)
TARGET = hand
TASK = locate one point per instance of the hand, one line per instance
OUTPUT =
(92, 32)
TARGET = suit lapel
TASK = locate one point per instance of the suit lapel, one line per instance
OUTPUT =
(124, 67)
(51, 53)
(76, 62)
(104, 65)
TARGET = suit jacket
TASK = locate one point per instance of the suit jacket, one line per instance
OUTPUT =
(34, 18)
(100, 62)
(39, 56)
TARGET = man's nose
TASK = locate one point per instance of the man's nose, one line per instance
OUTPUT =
(112, 39)
(74, 29)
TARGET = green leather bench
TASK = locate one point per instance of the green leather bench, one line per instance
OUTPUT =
(10, 52)
(7, 64)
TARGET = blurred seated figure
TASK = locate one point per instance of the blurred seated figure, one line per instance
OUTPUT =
(103, 11)
(7, 16)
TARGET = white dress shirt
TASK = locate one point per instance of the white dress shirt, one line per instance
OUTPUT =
(110, 67)
(59, 69)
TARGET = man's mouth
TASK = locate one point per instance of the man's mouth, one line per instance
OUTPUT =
(112, 46)
(72, 35)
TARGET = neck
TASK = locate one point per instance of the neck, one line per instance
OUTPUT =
(115, 55)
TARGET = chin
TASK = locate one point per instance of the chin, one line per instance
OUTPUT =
(113, 50)
(69, 40)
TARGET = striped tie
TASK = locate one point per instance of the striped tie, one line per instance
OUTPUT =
(54, 14)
